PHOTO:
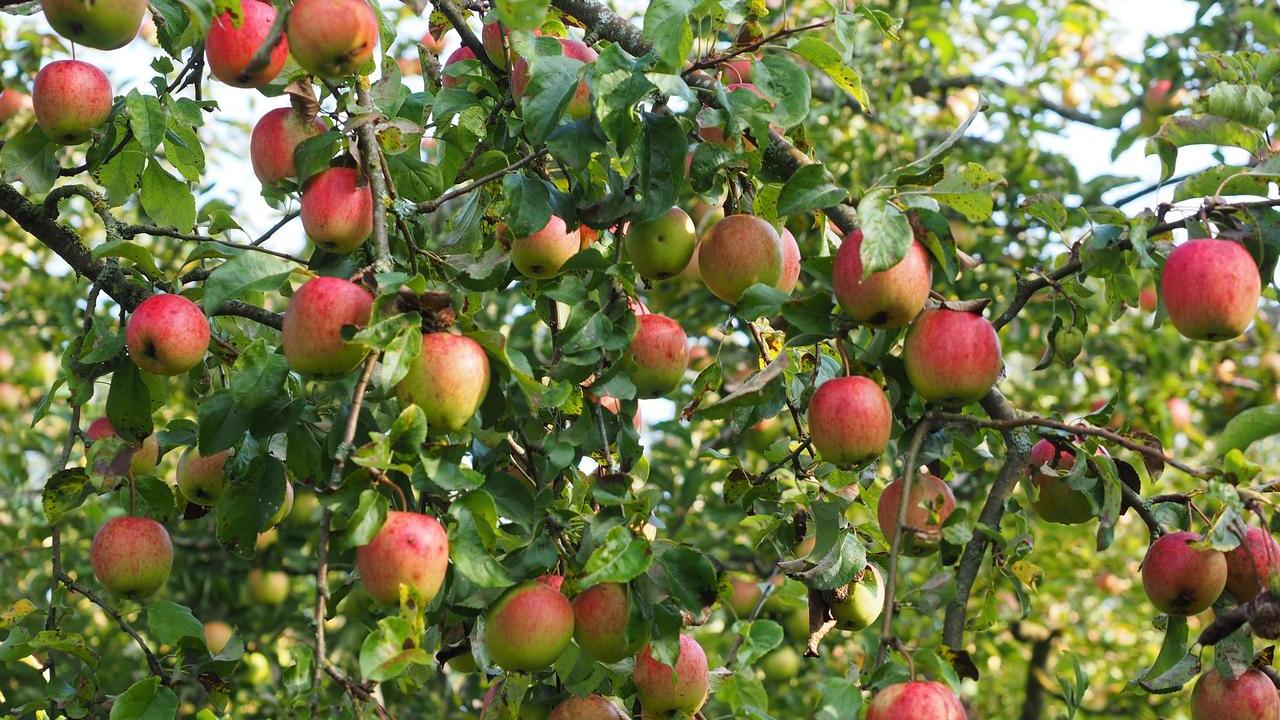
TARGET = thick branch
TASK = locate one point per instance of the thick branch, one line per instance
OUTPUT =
(454, 15)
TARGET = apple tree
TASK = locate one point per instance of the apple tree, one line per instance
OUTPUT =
(558, 359)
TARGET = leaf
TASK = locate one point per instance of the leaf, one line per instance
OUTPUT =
(810, 188)
(248, 503)
(528, 204)
(146, 119)
(170, 622)
(31, 158)
(886, 233)
(761, 301)
(552, 82)
(467, 549)
(968, 191)
(1047, 209)
(666, 27)
(258, 375)
(390, 650)
(522, 14)
(660, 161)
(691, 578)
(367, 519)
(222, 423)
(246, 272)
(140, 255)
(759, 638)
(64, 491)
(827, 59)
(782, 80)
(1183, 130)
(18, 610)
(129, 402)
(121, 175)
(620, 558)
(145, 700)
(167, 199)
(313, 154)
(1246, 428)
(838, 566)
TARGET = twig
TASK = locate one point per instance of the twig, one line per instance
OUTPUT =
(130, 231)
(353, 420)
(377, 183)
(430, 206)
(755, 613)
(322, 598)
(353, 689)
(721, 58)
(153, 662)
(895, 542)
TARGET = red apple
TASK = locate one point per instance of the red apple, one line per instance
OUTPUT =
(658, 355)
(600, 617)
(1210, 289)
(1250, 564)
(457, 56)
(916, 700)
(528, 628)
(202, 479)
(13, 102)
(71, 99)
(337, 210)
(850, 420)
(790, 262)
(274, 138)
(448, 380)
(580, 104)
(313, 322)
(889, 298)
(1180, 579)
(332, 38)
(1252, 696)
(167, 335)
(662, 689)
(233, 41)
(591, 707)
(951, 357)
(929, 505)
(738, 252)
(411, 549)
(542, 254)
(131, 556)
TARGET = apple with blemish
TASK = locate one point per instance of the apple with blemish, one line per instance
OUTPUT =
(233, 41)
(528, 628)
(448, 380)
(886, 299)
(274, 139)
(1251, 696)
(663, 689)
(410, 549)
(142, 459)
(951, 357)
(131, 556)
(542, 254)
(850, 420)
(71, 99)
(1180, 579)
(101, 24)
(311, 336)
(863, 601)
(657, 356)
(167, 335)
(1056, 501)
(202, 479)
(738, 252)
(332, 38)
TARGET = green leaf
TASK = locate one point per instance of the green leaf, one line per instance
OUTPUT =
(660, 161)
(1047, 209)
(313, 154)
(140, 255)
(182, 148)
(258, 375)
(759, 638)
(1246, 428)
(65, 490)
(129, 402)
(666, 27)
(810, 188)
(246, 272)
(476, 519)
(167, 199)
(122, 174)
(886, 233)
(761, 301)
(390, 650)
(522, 14)
(528, 204)
(827, 59)
(838, 566)
(784, 81)
(968, 191)
(367, 519)
(146, 119)
(552, 82)
(145, 700)
(222, 423)
(691, 578)
(620, 558)
(1183, 130)
(31, 158)
(248, 503)
(170, 622)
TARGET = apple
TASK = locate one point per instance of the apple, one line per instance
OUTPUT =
(142, 459)
(304, 508)
(1210, 289)
(202, 479)
(864, 602)
(432, 43)
(930, 503)
(1179, 413)
(337, 209)
(951, 357)
(738, 70)
(269, 587)
(1148, 300)
(796, 624)
(1056, 501)
(494, 37)
(12, 103)
(216, 636)
(167, 335)
(457, 56)
(850, 420)
(286, 506)
(233, 41)
(661, 248)
(1160, 98)
(1180, 579)
(448, 380)
(542, 254)
(600, 617)
(332, 38)
(580, 104)
(528, 628)
(1252, 696)
(71, 99)
(591, 707)
(101, 24)
(917, 700)
(11, 397)
(411, 549)
(738, 252)
(313, 320)
(886, 299)
(744, 595)
(662, 689)
(257, 669)
(1251, 564)
(781, 665)
(131, 556)
(790, 262)
(275, 136)
(657, 356)
(463, 664)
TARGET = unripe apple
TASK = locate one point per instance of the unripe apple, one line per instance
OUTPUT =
(131, 556)
(102, 24)
(201, 479)
(336, 209)
(889, 298)
(71, 99)
(216, 636)
(1252, 696)
(917, 700)
(463, 664)
(1210, 289)
(738, 252)
(411, 549)
(591, 707)
(864, 602)
(528, 628)
(542, 254)
(312, 332)
(930, 504)
(274, 138)
(270, 587)
(332, 38)
(1179, 579)
(457, 56)
(663, 689)
(13, 102)
(230, 46)
(257, 669)
(286, 506)
(167, 335)
(661, 248)
(1056, 501)
(951, 357)
(600, 616)
(790, 262)
(142, 460)
(744, 595)
(1250, 564)
(850, 420)
(737, 70)
(448, 380)
(304, 508)
(781, 665)
(657, 356)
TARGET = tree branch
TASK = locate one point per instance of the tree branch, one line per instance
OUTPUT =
(895, 542)
(372, 156)
(153, 662)
(430, 206)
